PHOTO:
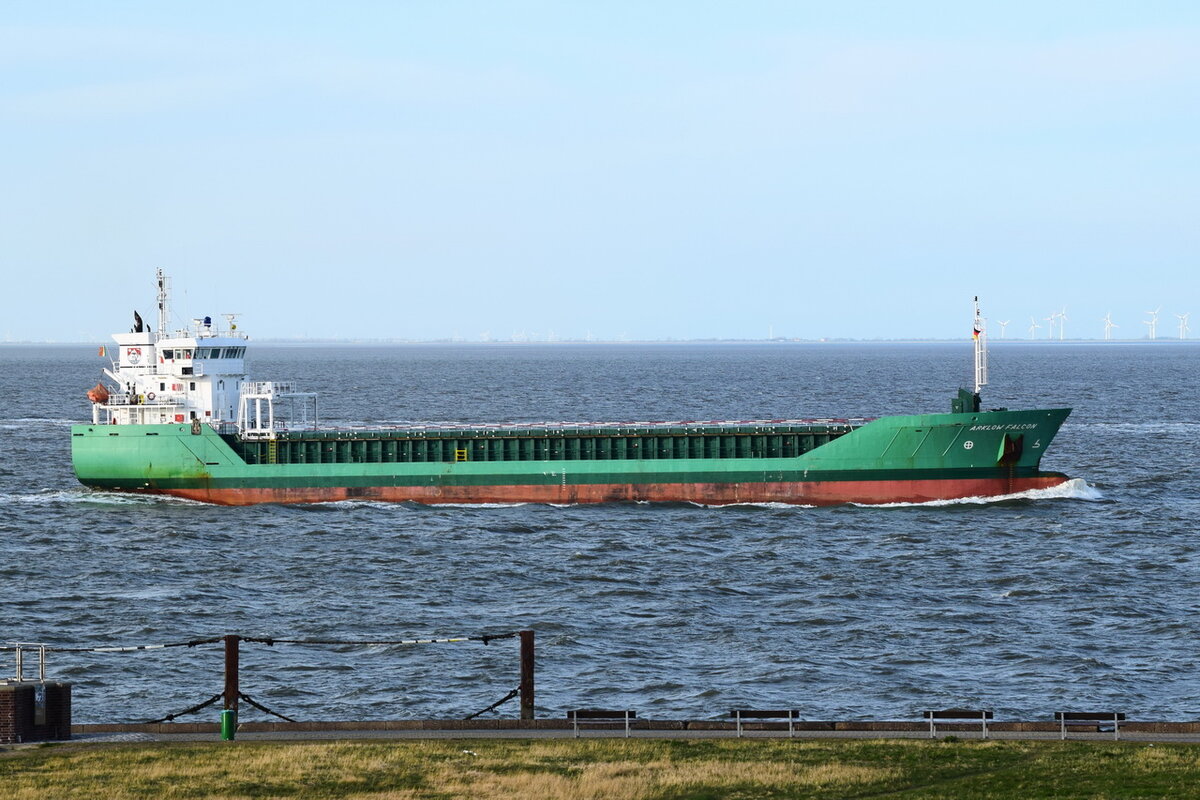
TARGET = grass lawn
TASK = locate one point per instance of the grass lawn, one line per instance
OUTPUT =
(604, 769)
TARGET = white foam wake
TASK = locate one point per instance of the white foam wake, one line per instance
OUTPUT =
(1074, 489)
(38, 423)
(359, 502)
(83, 495)
(771, 505)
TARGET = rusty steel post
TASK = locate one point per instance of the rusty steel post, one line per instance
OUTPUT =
(526, 674)
(231, 671)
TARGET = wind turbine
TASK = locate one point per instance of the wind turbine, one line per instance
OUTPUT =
(1108, 326)
(1003, 325)
(1183, 326)
(1153, 322)
(1062, 323)
(1051, 319)
(1033, 326)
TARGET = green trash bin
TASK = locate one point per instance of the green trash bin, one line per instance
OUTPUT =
(228, 724)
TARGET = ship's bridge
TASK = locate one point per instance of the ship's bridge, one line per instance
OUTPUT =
(216, 355)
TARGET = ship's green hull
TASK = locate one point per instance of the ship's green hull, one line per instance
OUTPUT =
(894, 459)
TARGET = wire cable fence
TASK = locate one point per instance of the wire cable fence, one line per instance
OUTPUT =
(231, 694)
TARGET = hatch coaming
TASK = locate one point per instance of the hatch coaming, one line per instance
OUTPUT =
(645, 441)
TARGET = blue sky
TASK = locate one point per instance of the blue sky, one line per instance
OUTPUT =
(685, 170)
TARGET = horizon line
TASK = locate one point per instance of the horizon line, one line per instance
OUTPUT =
(705, 340)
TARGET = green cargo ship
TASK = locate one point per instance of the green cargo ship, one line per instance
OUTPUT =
(180, 417)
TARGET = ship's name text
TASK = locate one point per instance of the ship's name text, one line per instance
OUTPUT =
(1016, 426)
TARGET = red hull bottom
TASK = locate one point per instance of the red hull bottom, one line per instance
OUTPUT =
(814, 493)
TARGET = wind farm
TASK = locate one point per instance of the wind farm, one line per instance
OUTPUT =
(1054, 328)
(1051, 328)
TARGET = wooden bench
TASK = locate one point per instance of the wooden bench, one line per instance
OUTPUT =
(740, 714)
(1097, 718)
(958, 715)
(601, 716)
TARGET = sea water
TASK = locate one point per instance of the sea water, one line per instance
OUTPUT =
(1085, 596)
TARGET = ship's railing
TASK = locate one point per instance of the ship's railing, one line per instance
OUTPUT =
(201, 331)
(268, 388)
(285, 425)
(229, 428)
(138, 413)
(123, 399)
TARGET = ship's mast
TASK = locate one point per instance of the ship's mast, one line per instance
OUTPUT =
(980, 336)
(162, 303)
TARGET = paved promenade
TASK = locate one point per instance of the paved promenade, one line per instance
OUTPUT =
(643, 729)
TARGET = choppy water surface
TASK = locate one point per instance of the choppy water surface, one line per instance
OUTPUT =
(1086, 596)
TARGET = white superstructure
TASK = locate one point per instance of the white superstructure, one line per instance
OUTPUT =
(197, 373)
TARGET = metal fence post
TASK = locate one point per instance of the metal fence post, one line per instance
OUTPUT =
(526, 674)
(231, 671)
